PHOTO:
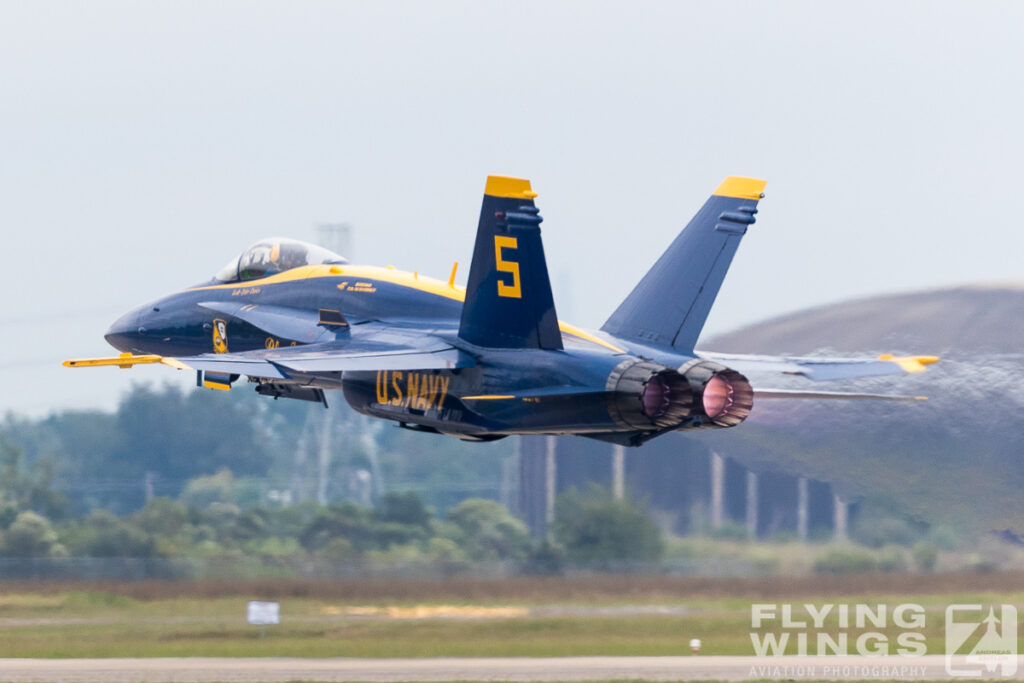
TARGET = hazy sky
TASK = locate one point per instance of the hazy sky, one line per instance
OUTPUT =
(143, 144)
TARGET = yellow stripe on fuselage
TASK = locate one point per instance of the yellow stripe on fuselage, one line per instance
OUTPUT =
(396, 277)
(577, 332)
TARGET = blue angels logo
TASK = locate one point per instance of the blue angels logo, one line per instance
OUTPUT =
(220, 336)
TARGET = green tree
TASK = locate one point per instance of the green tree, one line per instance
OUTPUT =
(487, 531)
(343, 520)
(10, 473)
(288, 522)
(845, 560)
(213, 488)
(925, 556)
(65, 452)
(32, 535)
(8, 513)
(161, 517)
(403, 508)
(31, 489)
(103, 534)
(546, 559)
(178, 436)
(601, 533)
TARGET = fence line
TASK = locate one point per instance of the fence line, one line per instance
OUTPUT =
(267, 567)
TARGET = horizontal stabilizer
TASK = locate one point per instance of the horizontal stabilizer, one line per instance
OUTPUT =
(787, 393)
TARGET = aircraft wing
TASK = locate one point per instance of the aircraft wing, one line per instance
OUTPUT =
(824, 369)
(370, 353)
(323, 359)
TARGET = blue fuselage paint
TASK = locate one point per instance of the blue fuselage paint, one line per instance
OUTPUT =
(575, 377)
(178, 326)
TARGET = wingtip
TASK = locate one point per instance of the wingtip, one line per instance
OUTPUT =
(910, 363)
(123, 361)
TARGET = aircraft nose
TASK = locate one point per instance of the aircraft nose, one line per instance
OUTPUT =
(124, 331)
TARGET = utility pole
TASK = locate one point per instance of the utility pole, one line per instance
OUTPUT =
(840, 518)
(326, 429)
(618, 472)
(550, 473)
(510, 475)
(752, 504)
(147, 485)
(298, 486)
(802, 508)
(370, 431)
(335, 236)
(338, 238)
(717, 490)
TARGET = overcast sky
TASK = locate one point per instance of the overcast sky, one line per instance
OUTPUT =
(143, 144)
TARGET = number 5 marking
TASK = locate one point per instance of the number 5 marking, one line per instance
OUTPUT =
(513, 291)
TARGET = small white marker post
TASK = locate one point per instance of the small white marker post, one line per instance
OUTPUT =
(263, 613)
(695, 645)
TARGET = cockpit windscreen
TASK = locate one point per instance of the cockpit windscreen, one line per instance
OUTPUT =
(275, 255)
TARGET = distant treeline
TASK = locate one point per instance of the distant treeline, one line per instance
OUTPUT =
(172, 475)
(591, 530)
(158, 440)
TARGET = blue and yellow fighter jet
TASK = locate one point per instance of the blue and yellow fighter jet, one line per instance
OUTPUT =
(492, 359)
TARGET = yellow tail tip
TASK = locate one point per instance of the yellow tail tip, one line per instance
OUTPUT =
(741, 188)
(504, 186)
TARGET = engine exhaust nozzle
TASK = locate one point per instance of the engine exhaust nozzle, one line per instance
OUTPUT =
(725, 396)
(648, 396)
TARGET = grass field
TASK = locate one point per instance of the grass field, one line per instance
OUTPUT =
(520, 617)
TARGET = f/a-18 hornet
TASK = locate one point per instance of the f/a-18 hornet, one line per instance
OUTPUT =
(488, 360)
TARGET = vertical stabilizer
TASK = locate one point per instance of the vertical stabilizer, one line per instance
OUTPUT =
(508, 297)
(669, 306)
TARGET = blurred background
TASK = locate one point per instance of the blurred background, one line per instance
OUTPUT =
(143, 146)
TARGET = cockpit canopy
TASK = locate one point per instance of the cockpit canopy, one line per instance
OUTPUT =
(275, 255)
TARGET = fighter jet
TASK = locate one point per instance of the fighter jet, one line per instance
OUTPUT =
(488, 360)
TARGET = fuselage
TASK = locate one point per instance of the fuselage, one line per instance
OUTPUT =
(297, 319)
(507, 391)
(178, 325)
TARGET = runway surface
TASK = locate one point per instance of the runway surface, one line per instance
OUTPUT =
(273, 669)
